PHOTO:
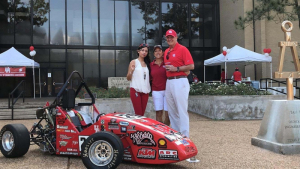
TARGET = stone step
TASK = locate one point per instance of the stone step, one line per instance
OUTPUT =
(18, 113)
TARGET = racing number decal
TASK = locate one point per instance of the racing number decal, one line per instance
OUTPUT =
(81, 141)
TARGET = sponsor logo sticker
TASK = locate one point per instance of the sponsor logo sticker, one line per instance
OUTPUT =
(168, 155)
(146, 153)
(142, 138)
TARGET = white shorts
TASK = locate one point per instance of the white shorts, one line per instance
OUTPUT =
(159, 100)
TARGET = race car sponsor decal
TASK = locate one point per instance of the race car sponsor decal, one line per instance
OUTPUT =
(190, 149)
(168, 155)
(71, 149)
(130, 117)
(174, 136)
(62, 127)
(146, 153)
(113, 127)
(68, 131)
(123, 129)
(113, 121)
(162, 143)
(184, 142)
(96, 128)
(72, 131)
(58, 114)
(81, 140)
(102, 127)
(68, 153)
(142, 138)
(124, 123)
(131, 128)
(127, 157)
(64, 137)
(102, 121)
(74, 143)
(61, 120)
(63, 143)
(144, 121)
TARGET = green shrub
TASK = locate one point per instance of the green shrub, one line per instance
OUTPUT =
(106, 93)
(224, 89)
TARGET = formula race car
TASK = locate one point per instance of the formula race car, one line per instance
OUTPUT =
(102, 140)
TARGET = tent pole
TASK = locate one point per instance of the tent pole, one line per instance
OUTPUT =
(204, 74)
(271, 75)
(33, 76)
(226, 73)
(40, 82)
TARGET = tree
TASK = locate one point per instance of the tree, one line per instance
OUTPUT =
(275, 10)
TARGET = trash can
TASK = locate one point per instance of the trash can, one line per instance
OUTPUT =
(255, 84)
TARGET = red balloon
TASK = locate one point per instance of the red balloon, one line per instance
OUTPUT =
(224, 53)
(269, 50)
(265, 50)
(31, 48)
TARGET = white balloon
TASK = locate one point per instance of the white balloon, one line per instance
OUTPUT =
(32, 53)
(266, 54)
(224, 48)
(228, 50)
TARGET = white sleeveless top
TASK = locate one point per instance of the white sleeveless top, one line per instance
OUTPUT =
(140, 78)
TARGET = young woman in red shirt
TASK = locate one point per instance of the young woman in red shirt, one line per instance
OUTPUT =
(159, 78)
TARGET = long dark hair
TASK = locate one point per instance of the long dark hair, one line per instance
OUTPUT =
(147, 58)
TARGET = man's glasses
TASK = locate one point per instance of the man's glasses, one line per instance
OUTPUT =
(168, 55)
(143, 45)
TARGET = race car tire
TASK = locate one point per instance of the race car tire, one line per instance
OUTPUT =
(102, 150)
(15, 140)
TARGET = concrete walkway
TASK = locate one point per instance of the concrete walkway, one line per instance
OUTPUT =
(221, 144)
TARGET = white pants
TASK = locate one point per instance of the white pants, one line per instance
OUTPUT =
(159, 100)
(177, 94)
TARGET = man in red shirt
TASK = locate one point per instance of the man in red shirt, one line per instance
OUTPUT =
(178, 60)
(237, 76)
(223, 76)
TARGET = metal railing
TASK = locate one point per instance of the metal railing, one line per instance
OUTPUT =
(279, 82)
(13, 100)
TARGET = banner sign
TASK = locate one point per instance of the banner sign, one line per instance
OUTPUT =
(13, 71)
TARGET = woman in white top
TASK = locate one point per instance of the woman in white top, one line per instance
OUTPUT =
(138, 75)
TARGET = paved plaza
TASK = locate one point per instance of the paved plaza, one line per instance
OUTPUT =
(221, 144)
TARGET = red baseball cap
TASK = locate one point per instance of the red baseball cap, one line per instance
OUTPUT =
(171, 32)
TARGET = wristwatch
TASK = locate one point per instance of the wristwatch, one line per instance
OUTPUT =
(177, 69)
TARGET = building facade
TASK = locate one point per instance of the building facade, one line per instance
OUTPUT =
(99, 38)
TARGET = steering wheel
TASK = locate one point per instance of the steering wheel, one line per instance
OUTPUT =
(99, 115)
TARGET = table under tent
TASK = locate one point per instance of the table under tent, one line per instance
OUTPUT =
(236, 55)
(13, 58)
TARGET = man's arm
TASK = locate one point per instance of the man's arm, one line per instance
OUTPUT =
(184, 68)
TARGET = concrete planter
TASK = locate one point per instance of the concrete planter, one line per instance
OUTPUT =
(214, 107)
(231, 107)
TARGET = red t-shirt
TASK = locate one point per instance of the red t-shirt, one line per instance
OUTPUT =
(179, 56)
(223, 76)
(237, 76)
(158, 76)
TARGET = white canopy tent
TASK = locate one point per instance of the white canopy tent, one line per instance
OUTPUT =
(14, 58)
(238, 54)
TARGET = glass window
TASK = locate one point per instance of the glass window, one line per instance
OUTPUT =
(210, 25)
(74, 22)
(57, 55)
(57, 22)
(196, 25)
(107, 16)
(75, 61)
(152, 23)
(174, 16)
(122, 62)
(107, 66)
(90, 22)
(7, 22)
(91, 67)
(42, 55)
(41, 22)
(22, 22)
(122, 23)
(138, 23)
(198, 63)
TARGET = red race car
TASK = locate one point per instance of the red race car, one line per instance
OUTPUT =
(102, 140)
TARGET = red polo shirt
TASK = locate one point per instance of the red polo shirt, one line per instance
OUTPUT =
(237, 76)
(179, 56)
(158, 76)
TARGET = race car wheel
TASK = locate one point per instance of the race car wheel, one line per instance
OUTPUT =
(15, 140)
(102, 150)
